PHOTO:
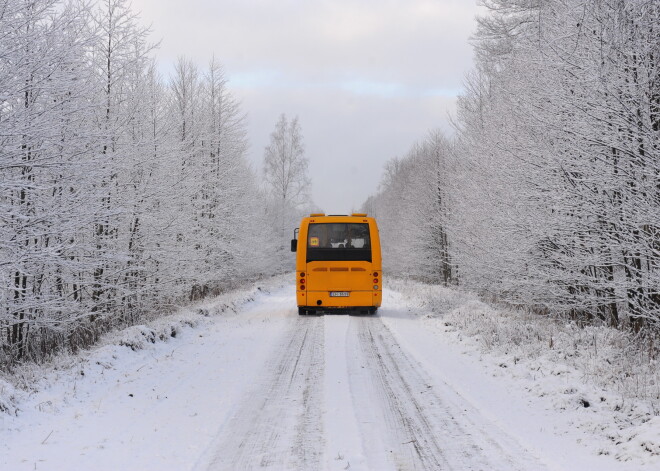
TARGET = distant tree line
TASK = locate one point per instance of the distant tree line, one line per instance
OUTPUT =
(121, 193)
(548, 196)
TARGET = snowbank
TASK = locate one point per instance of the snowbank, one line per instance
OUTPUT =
(29, 378)
(605, 380)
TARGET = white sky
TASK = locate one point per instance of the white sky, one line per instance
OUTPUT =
(367, 78)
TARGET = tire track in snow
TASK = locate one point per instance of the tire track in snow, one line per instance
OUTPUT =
(429, 426)
(278, 425)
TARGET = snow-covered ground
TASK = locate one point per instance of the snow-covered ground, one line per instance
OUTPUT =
(604, 381)
(243, 382)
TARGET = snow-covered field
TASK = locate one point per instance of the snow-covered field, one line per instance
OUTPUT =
(243, 382)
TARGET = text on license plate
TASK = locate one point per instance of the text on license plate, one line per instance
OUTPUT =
(339, 294)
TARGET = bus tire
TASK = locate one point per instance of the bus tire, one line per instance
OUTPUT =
(302, 311)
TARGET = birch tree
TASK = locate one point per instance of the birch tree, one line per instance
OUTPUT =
(285, 164)
(287, 182)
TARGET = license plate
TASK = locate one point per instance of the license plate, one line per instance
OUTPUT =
(339, 294)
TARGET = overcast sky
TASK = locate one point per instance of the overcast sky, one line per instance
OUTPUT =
(367, 78)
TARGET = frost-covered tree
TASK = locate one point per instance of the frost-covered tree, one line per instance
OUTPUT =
(120, 194)
(551, 184)
(558, 131)
(285, 164)
(287, 183)
(120, 59)
(216, 186)
(44, 171)
(412, 212)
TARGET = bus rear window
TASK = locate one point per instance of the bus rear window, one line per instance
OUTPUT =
(338, 241)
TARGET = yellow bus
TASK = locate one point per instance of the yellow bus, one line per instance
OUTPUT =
(338, 264)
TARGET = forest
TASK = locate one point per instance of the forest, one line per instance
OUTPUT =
(547, 197)
(122, 194)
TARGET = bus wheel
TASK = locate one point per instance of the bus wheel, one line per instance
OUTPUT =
(302, 311)
(373, 310)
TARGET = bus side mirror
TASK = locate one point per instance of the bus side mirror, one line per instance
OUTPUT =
(294, 245)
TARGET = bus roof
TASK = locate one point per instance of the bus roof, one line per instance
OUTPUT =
(317, 215)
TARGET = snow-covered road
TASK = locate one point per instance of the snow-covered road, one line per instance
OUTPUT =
(266, 388)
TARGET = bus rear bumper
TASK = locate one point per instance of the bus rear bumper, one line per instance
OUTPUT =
(354, 301)
(357, 310)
